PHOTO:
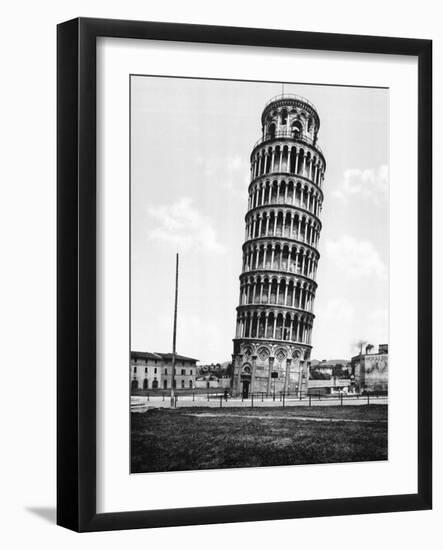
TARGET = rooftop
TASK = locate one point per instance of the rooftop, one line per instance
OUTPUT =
(159, 356)
(289, 97)
(144, 355)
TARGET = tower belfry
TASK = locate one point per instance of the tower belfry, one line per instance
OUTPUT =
(280, 256)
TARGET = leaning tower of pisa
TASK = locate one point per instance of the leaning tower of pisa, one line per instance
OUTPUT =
(280, 257)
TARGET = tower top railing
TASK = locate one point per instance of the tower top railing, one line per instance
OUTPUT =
(289, 134)
(290, 96)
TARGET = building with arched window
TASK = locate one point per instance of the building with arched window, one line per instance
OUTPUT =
(280, 254)
(153, 371)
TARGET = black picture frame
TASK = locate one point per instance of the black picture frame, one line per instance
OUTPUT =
(76, 279)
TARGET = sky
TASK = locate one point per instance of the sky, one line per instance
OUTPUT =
(191, 141)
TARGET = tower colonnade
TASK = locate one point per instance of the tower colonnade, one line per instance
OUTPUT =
(280, 256)
(275, 325)
(280, 190)
(283, 222)
(279, 290)
(282, 158)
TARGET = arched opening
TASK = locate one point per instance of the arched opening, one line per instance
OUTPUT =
(134, 385)
(301, 161)
(279, 331)
(268, 257)
(297, 194)
(271, 131)
(246, 379)
(296, 128)
(145, 384)
(287, 328)
(297, 296)
(285, 163)
(275, 168)
(291, 293)
(155, 384)
(270, 325)
(261, 326)
(274, 289)
(267, 161)
(254, 325)
(279, 224)
(285, 258)
(292, 160)
(281, 198)
(274, 190)
(263, 226)
(308, 164)
(302, 297)
(296, 328)
(302, 258)
(291, 191)
(281, 295)
(246, 329)
(288, 225)
(262, 162)
(284, 117)
(265, 297)
(303, 198)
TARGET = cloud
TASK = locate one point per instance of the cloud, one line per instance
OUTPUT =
(340, 326)
(355, 258)
(378, 326)
(335, 321)
(197, 336)
(337, 309)
(369, 184)
(181, 225)
(203, 337)
(211, 166)
(230, 172)
(373, 329)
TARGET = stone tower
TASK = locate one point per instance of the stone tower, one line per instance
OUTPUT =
(280, 257)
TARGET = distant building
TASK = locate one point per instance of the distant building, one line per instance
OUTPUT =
(331, 368)
(211, 381)
(320, 369)
(333, 386)
(214, 376)
(217, 369)
(370, 370)
(153, 371)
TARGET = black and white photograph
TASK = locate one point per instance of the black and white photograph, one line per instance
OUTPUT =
(259, 282)
(221, 261)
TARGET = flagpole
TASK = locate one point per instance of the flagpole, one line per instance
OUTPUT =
(174, 335)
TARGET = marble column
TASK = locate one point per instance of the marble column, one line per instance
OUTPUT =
(287, 374)
(254, 360)
(271, 366)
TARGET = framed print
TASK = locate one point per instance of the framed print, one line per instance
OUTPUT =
(244, 274)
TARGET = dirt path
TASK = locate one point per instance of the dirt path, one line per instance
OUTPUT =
(269, 417)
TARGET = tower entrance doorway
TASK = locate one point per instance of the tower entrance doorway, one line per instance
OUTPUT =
(245, 388)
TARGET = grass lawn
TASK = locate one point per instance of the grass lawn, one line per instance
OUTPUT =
(205, 438)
